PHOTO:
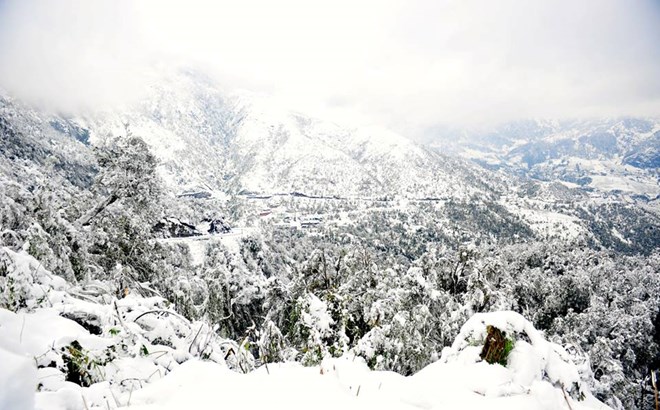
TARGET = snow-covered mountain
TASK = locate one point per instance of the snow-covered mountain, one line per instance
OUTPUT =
(221, 144)
(244, 142)
(211, 140)
(329, 241)
(620, 155)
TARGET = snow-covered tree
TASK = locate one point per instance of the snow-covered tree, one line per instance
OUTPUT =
(127, 173)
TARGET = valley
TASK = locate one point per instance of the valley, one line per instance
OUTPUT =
(255, 238)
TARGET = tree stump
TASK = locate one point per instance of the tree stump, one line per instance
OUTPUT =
(494, 350)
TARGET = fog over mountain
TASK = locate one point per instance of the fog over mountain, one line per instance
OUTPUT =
(403, 65)
(297, 204)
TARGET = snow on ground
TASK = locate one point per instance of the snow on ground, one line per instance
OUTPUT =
(538, 376)
(136, 352)
(625, 184)
(347, 384)
(487, 157)
(116, 345)
(18, 378)
(548, 223)
(197, 244)
(619, 236)
(612, 175)
(568, 184)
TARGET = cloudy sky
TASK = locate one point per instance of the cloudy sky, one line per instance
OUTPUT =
(407, 64)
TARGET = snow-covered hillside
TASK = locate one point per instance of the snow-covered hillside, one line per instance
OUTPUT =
(609, 155)
(81, 351)
(221, 145)
(213, 140)
(278, 241)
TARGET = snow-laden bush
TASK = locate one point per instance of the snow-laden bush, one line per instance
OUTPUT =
(532, 358)
(83, 336)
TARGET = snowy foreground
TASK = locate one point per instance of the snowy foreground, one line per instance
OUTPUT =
(144, 356)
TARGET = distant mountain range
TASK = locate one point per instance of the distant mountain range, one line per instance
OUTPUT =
(609, 155)
(277, 236)
(245, 143)
(592, 179)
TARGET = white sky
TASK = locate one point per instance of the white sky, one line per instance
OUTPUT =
(404, 64)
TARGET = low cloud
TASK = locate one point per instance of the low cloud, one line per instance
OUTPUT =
(405, 64)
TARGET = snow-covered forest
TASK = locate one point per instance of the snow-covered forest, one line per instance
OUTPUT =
(111, 280)
(171, 240)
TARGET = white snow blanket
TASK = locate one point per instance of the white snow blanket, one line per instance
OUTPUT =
(145, 356)
(538, 375)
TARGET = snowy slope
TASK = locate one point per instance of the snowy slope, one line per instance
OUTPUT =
(131, 354)
(225, 144)
(607, 155)
(213, 140)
